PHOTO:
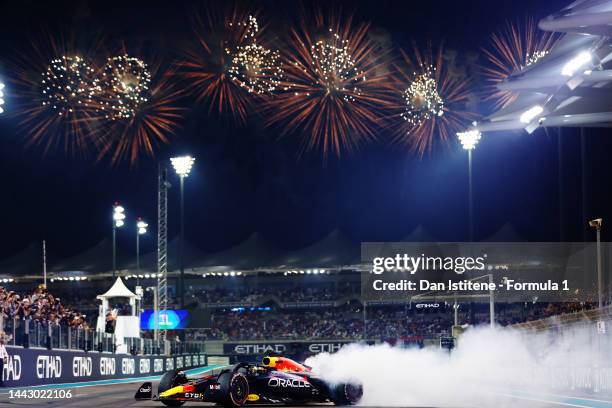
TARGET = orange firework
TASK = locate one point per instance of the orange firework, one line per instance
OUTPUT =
(56, 88)
(430, 97)
(511, 50)
(333, 87)
(208, 64)
(150, 124)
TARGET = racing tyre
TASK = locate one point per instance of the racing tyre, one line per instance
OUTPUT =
(168, 380)
(346, 394)
(234, 389)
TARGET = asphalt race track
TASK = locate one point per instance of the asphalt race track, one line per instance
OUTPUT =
(119, 395)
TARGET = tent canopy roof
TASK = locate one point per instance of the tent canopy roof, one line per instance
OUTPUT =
(118, 290)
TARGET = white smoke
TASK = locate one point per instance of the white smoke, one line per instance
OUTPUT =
(486, 367)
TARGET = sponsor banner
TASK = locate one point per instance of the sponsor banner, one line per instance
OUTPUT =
(290, 348)
(26, 367)
(307, 305)
(225, 305)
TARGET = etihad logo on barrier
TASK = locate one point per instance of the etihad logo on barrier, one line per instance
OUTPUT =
(144, 366)
(128, 366)
(325, 347)
(107, 366)
(81, 366)
(259, 348)
(12, 369)
(48, 366)
(427, 305)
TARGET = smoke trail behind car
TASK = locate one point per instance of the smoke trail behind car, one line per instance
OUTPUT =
(487, 365)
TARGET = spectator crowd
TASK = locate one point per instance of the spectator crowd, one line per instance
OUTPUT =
(344, 320)
(39, 306)
(252, 295)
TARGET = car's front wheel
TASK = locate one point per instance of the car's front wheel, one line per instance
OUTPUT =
(171, 379)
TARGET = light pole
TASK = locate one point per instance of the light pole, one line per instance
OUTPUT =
(469, 140)
(141, 228)
(155, 312)
(596, 223)
(1, 97)
(491, 301)
(182, 165)
(118, 222)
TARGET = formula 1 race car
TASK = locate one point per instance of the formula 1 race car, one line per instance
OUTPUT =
(276, 380)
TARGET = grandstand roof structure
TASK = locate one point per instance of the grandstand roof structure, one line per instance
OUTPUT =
(507, 233)
(335, 251)
(419, 234)
(252, 253)
(570, 86)
(27, 261)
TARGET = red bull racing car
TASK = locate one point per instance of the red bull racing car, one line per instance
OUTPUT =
(276, 380)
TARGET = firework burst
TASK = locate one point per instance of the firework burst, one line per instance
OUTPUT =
(515, 48)
(126, 81)
(333, 88)
(254, 67)
(69, 84)
(423, 101)
(56, 91)
(430, 98)
(151, 122)
(227, 61)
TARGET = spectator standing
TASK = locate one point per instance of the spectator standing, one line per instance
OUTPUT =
(3, 358)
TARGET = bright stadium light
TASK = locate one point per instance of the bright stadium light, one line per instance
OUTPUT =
(142, 226)
(469, 139)
(182, 165)
(141, 229)
(118, 222)
(573, 65)
(118, 215)
(531, 113)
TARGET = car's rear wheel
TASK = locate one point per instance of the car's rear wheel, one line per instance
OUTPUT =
(346, 394)
(169, 380)
(233, 389)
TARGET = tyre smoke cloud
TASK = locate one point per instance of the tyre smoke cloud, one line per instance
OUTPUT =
(487, 368)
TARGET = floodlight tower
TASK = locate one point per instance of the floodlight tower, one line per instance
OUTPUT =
(182, 165)
(162, 240)
(118, 222)
(469, 140)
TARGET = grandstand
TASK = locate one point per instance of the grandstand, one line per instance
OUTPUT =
(255, 291)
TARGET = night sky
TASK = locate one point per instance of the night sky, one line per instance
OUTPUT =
(245, 179)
